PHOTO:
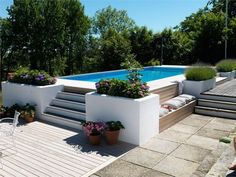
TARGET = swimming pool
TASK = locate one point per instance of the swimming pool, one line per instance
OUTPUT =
(148, 74)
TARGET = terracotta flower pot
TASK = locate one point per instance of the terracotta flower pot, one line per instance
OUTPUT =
(10, 75)
(2, 114)
(112, 136)
(29, 118)
(95, 139)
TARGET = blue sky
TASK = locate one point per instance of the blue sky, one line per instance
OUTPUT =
(155, 14)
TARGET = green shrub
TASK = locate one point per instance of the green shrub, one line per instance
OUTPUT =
(33, 77)
(152, 62)
(226, 65)
(199, 73)
(122, 88)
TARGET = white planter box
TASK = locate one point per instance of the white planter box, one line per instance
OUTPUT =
(139, 116)
(21, 94)
(195, 88)
(229, 75)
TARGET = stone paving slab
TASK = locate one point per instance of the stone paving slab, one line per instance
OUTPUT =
(175, 136)
(121, 168)
(176, 167)
(203, 142)
(195, 121)
(217, 125)
(154, 173)
(161, 146)
(184, 128)
(226, 121)
(143, 157)
(191, 153)
(212, 133)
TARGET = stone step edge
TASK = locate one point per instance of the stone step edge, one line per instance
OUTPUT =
(209, 161)
(220, 168)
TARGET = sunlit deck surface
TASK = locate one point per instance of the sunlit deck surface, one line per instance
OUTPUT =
(46, 150)
(227, 89)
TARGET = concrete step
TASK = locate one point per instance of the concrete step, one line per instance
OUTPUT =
(72, 105)
(65, 112)
(78, 90)
(209, 161)
(220, 168)
(63, 121)
(215, 112)
(217, 104)
(71, 96)
(218, 97)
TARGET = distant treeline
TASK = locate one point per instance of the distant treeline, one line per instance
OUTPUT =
(57, 36)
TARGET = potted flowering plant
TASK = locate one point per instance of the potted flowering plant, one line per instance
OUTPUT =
(28, 112)
(3, 111)
(93, 131)
(112, 131)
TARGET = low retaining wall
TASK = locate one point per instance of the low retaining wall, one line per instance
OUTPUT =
(139, 116)
(21, 94)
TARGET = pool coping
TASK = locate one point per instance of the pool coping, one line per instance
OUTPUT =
(156, 84)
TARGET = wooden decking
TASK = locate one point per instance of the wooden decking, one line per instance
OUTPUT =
(227, 89)
(46, 150)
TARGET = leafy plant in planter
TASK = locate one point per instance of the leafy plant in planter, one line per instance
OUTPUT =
(112, 131)
(226, 65)
(33, 77)
(28, 112)
(93, 131)
(200, 73)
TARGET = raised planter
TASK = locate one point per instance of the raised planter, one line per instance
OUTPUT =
(229, 75)
(21, 94)
(140, 117)
(195, 88)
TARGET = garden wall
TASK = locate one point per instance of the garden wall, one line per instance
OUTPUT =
(21, 94)
(139, 116)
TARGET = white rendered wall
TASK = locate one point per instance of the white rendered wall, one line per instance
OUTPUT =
(195, 88)
(139, 116)
(21, 94)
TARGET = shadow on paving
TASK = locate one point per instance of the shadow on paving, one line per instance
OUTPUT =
(80, 143)
(103, 149)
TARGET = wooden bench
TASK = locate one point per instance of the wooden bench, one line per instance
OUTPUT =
(176, 115)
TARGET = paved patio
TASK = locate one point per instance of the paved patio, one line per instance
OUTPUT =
(189, 148)
(186, 149)
(46, 150)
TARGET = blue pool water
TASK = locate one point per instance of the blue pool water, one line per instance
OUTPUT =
(148, 74)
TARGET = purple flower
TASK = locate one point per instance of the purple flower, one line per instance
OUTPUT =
(97, 85)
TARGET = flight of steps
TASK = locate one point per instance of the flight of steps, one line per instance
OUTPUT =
(218, 106)
(67, 109)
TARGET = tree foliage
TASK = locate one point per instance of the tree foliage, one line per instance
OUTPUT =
(58, 37)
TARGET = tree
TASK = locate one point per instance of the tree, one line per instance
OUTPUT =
(114, 49)
(111, 18)
(76, 29)
(48, 35)
(141, 41)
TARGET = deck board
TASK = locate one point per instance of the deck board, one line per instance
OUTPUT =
(226, 89)
(47, 150)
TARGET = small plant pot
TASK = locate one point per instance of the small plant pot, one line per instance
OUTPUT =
(29, 118)
(94, 139)
(112, 136)
(10, 75)
(2, 114)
